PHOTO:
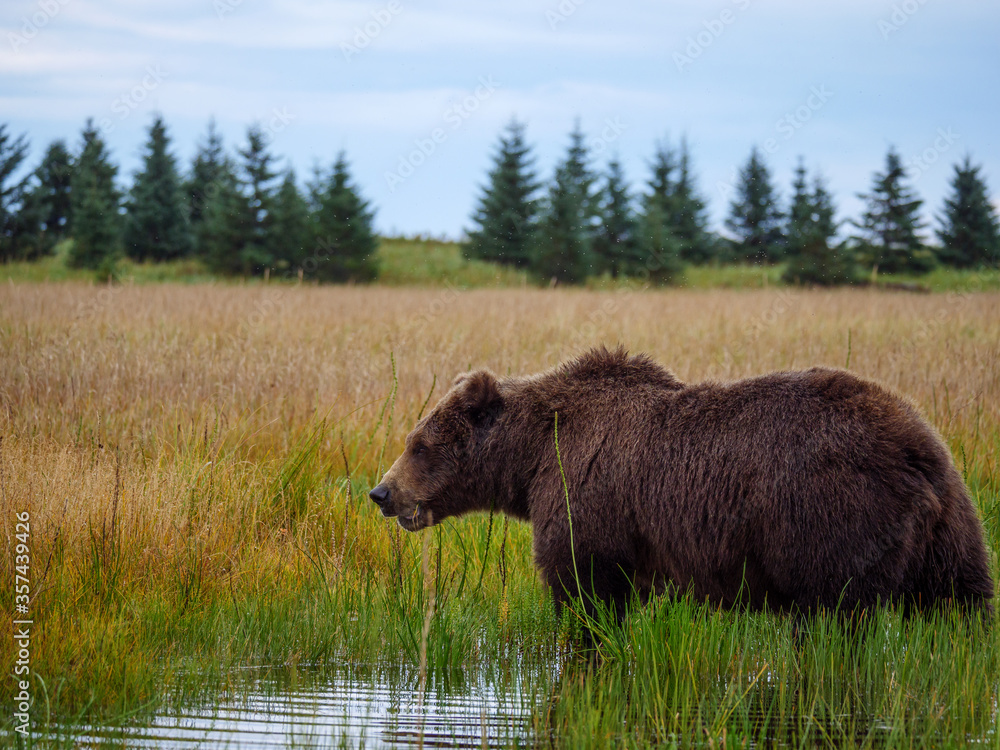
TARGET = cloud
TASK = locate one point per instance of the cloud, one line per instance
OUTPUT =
(298, 25)
(48, 56)
(599, 61)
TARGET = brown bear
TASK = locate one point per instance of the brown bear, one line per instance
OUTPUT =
(793, 490)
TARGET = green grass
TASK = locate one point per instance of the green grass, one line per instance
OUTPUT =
(435, 263)
(951, 280)
(54, 268)
(731, 276)
(678, 672)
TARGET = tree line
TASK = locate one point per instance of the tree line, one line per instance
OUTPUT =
(237, 213)
(583, 223)
(241, 215)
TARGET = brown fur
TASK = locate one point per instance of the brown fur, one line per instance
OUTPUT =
(790, 490)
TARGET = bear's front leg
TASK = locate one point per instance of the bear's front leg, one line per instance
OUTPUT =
(602, 584)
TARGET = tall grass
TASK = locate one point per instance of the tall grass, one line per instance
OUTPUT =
(196, 460)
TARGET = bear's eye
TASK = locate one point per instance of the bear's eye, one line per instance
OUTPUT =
(419, 449)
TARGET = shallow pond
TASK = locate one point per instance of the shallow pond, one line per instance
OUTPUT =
(353, 707)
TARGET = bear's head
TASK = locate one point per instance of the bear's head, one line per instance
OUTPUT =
(438, 474)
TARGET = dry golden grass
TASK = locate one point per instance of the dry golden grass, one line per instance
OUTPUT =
(98, 380)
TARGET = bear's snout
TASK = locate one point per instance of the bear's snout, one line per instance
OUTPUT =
(380, 495)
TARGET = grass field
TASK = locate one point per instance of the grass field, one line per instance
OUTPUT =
(195, 460)
(437, 263)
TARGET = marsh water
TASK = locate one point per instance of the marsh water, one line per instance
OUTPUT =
(356, 706)
(496, 705)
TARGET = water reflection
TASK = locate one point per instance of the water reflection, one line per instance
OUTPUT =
(355, 707)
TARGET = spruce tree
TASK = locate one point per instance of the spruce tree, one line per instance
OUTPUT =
(51, 195)
(344, 243)
(970, 232)
(663, 178)
(315, 188)
(12, 192)
(259, 176)
(156, 223)
(562, 252)
(290, 226)
(43, 215)
(506, 217)
(689, 214)
(208, 168)
(583, 179)
(224, 229)
(662, 183)
(95, 222)
(563, 247)
(661, 250)
(616, 243)
(237, 221)
(754, 215)
(659, 244)
(889, 238)
(811, 258)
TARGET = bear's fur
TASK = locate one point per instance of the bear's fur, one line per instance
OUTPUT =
(791, 490)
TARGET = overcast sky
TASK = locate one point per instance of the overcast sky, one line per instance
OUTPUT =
(418, 92)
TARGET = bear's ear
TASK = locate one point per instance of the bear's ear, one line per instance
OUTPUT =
(480, 397)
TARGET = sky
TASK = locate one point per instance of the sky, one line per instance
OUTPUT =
(418, 93)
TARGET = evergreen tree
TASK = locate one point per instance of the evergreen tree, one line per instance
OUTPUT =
(800, 213)
(507, 213)
(25, 235)
(344, 242)
(156, 225)
(889, 227)
(290, 227)
(208, 168)
(754, 216)
(659, 243)
(12, 191)
(50, 196)
(224, 229)
(95, 222)
(259, 177)
(616, 244)
(580, 175)
(689, 214)
(563, 249)
(662, 183)
(661, 250)
(315, 188)
(237, 232)
(811, 228)
(970, 232)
